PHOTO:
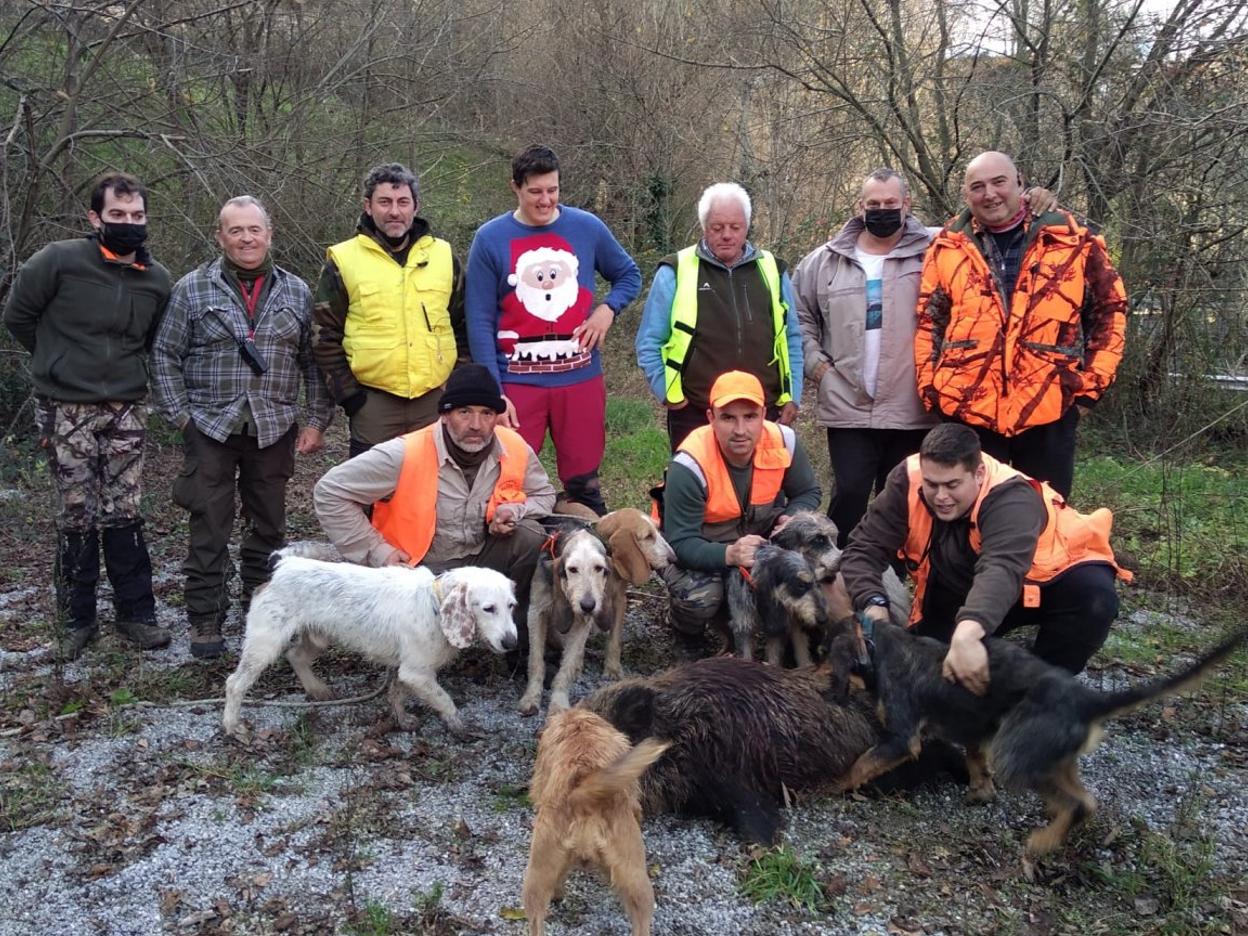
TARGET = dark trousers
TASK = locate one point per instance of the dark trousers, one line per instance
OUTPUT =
(516, 557)
(1046, 453)
(211, 472)
(1072, 622)
(861, 460)
(681, 422)
(385, 416)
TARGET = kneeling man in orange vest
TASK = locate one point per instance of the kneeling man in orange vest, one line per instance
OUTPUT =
(990, 550)
(729, 485)
(462, 491)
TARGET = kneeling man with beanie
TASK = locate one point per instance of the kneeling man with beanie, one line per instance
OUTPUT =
(462, 491)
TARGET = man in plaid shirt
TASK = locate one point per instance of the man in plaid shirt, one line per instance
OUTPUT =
(233, 346)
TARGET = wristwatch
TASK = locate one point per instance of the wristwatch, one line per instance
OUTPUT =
(878, 601)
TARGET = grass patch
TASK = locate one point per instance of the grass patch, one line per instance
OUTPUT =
(1184, 528)
(510, 796)
(780, 874)
(635, 457)
(1159, 881)
(373, 919)
(28, 796)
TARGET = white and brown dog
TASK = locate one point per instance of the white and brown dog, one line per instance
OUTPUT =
(581, 582)
(397, 616)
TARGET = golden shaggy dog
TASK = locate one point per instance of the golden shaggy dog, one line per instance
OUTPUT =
(588, 813)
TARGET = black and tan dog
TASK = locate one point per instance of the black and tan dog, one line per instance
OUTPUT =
(1028, 730)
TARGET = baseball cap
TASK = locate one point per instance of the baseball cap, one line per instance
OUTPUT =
(736, 385)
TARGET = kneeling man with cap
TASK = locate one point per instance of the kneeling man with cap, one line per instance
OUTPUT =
(729, 485)
(462, 491)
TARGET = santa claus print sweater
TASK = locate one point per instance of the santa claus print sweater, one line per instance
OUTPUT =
(528, 288)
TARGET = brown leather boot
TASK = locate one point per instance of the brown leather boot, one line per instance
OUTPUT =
(145, 635)
(206, 640)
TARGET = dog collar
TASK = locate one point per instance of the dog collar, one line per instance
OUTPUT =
(745, 574)
(865, 665)
(436, 588)
(548, 547)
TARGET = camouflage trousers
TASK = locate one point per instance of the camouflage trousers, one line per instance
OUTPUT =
(95, 453)
(697, 597)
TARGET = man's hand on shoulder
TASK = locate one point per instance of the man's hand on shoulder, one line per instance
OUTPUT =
(591, 331)
(741, 553)
(967, 659)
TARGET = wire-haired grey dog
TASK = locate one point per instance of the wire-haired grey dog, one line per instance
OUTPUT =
(794, 591)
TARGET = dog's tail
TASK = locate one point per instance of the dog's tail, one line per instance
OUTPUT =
(1108, 704)
(607, 782)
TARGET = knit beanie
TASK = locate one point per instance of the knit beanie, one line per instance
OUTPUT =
(471, 385)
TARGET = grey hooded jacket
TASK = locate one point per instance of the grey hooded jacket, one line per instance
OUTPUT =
(830, 289)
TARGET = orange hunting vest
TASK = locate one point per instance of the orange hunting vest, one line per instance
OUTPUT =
(1067, 539)
(409, 518)
(771, 460)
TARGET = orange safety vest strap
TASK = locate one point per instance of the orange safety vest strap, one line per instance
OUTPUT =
(1067, 539)
(409, 519)
(772, 459)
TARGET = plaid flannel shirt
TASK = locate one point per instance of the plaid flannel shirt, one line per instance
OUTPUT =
(201, 375)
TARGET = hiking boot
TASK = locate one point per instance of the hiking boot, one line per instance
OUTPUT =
(144, 634)
(76, 639)
(206, 640)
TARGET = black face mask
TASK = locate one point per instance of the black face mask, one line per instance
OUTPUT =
(122, 239)
(883, 222)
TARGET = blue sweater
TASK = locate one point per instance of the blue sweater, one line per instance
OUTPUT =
(529, 287)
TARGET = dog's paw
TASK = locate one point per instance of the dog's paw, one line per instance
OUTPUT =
(613, 671)
(238, 731)
(983, 793)
(465, 730)
(320, 693)
(529, 703)
(558, 703)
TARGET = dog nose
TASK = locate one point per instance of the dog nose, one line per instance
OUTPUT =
(509, 641)
(587, 605)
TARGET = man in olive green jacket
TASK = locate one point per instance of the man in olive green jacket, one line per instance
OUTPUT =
(87, 310)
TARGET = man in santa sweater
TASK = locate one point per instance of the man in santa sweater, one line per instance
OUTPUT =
(533, 322)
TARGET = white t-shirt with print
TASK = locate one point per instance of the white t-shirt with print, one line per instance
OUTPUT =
(873, 267)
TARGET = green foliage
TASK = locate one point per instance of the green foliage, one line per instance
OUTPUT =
(1183, 527)
(779, 874)
(373, 919)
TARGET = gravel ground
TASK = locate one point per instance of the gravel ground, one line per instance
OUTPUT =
(139, 819)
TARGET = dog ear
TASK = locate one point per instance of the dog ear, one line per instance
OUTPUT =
(626, 555)
(629, 561)
(455, 616)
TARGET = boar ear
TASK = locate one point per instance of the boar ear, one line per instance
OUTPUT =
(634, 713)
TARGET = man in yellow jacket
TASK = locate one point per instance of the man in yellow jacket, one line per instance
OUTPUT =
(389, 314)
(1021, 322)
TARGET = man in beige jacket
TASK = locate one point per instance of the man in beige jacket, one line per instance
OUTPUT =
(490, 489)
